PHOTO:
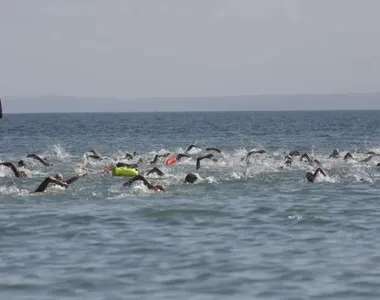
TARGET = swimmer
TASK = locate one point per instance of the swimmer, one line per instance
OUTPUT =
(335, 154)
(146, 183)
(58, 179)
(251, 153)
(157, 156)
(349, 156)
(93, 154)
(36, 157)
(203, 157)
(16, 171)
(155, 170)
(190, 178)
(309, 159)
(295, 153)
(310, 176)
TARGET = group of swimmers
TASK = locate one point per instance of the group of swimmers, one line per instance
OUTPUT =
(212, 153)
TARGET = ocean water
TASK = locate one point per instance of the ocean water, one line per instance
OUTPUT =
(256, 231)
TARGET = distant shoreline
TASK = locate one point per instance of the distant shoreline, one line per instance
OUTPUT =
(190, 111)
(254, 103)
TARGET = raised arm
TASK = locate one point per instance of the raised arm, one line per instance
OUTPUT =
(75, 178)
(254, 152)
(44, 184)
(369, 158)
(214, 149)
(180, 156)
(138, 178)
(320, 170)
(13, 168)
(36, 157)
(191, 147)
(305, 155)
(155, 170)
(202, 157)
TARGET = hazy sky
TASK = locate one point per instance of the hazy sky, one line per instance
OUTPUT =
(141, 48)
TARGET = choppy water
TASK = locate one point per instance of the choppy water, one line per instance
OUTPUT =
(241, 232)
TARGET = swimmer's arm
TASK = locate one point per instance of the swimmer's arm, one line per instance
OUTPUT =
(320, 170)
(179, 156)
(305, 155)
(13, 168)
(155, 170)
(191, 147)
(202, 157)
(155, 159)
(36, 157)
(254, 152)
(44, 184)
(75, 178)
(213, 149)
(139, 178)
(368, 158)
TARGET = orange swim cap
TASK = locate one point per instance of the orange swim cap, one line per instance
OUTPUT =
(171, 161)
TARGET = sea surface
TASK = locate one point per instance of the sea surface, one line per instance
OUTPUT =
(254, 230)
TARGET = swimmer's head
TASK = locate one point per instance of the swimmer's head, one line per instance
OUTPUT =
(378, 165)
(21, 163)
(24, 174)
(191, 178)
(135, 153)
(58, 176)
(309, 176)
(317, 162)
(336, 151)
(288, 162)
(128, 156)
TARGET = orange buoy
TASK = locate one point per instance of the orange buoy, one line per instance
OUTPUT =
(171, 161)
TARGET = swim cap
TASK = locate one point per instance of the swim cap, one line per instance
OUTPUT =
(191, 178)
(23, 173)
(336, 152)
(58, 176)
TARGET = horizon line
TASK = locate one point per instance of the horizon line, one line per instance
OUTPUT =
(196, 97)
(188, 111)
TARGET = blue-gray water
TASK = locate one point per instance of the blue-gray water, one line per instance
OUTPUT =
(241, 232)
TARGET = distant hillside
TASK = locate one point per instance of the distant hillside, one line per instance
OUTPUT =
(257, 102)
